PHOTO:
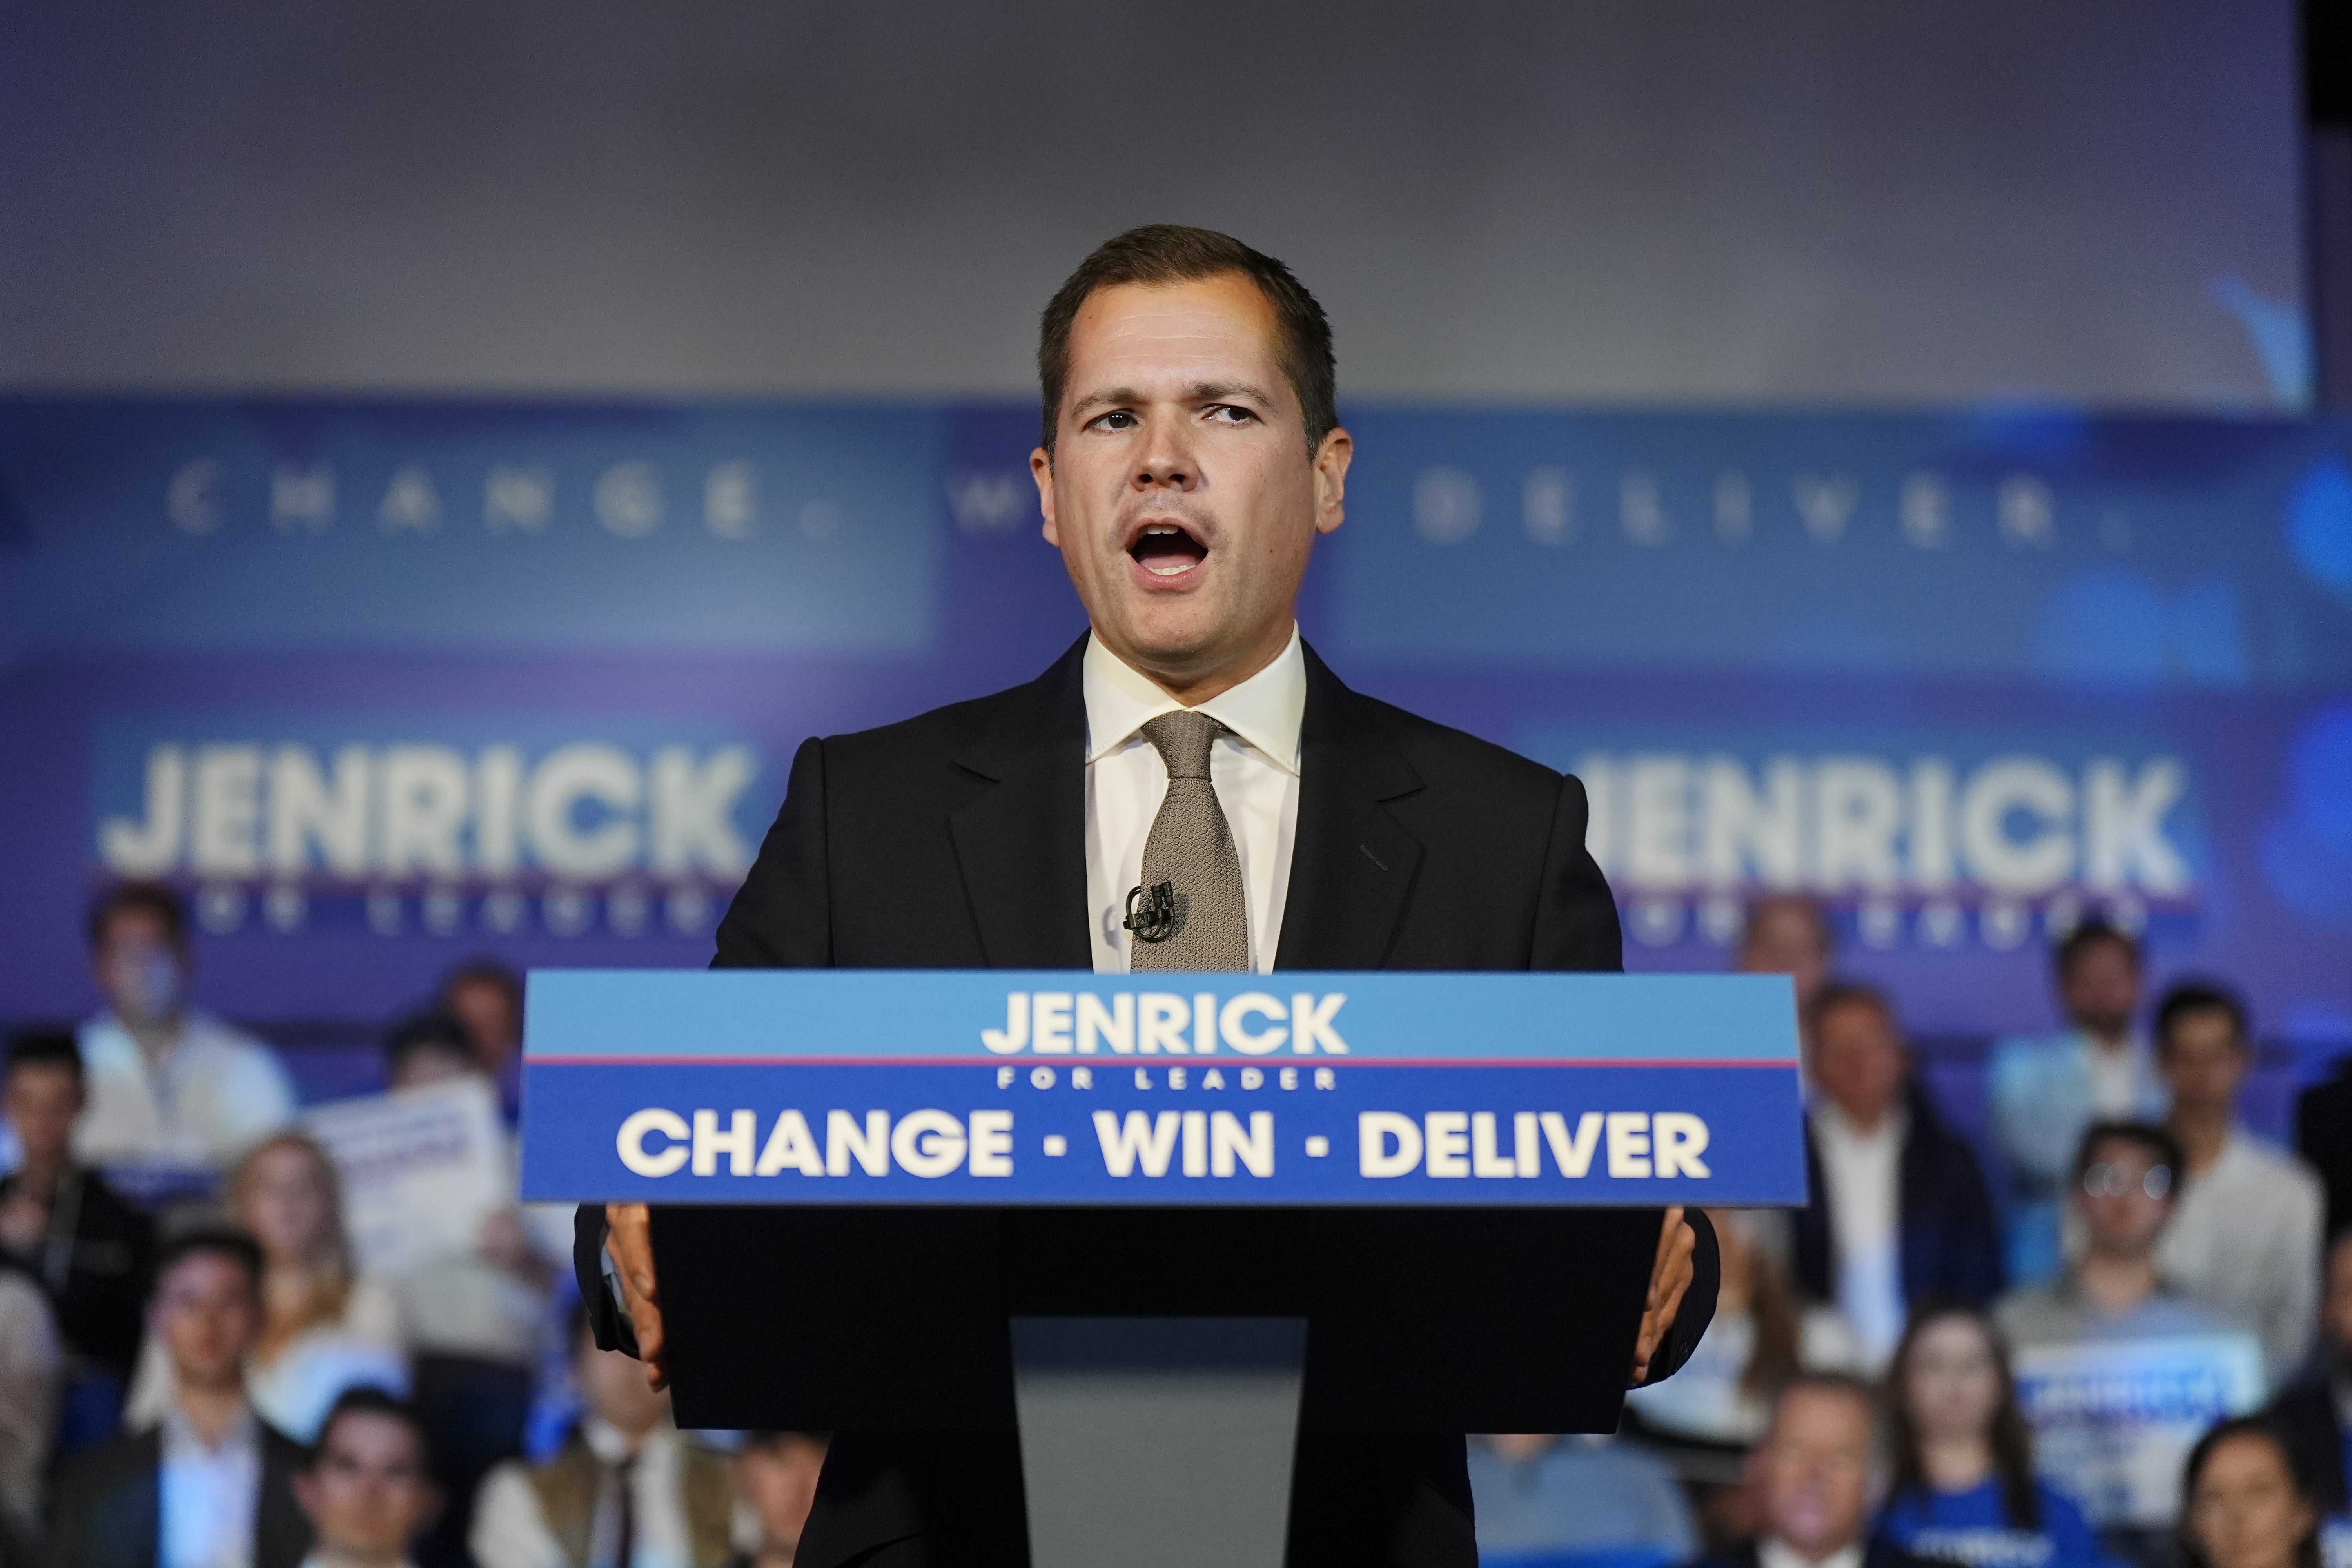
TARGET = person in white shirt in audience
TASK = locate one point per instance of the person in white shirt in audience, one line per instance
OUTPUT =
(325, 1327)
(208, 1484)
(367, 1489)
(1814, 1477)
(2046, 1090)
(2245, 1235)
(628, 1490)
(172, 1091)
(1581, 1501)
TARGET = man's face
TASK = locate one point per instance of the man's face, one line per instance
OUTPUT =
(206, 1315)
(137, 968)
(488, 1015)
(1813, 1470)
(367, 1493)
(1782, 939)
(2204, 1059)
(2336, 1307)
(42, 1103)
(1180, 491)
(2123, 1207)
(2101, 988)
(614, 1386)
(1857, 1060)
(778, 1479)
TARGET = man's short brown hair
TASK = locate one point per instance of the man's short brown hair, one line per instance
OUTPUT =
(155, 900)
(1165, 253)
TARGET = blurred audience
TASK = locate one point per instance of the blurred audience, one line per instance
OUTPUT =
(209, 1485)
(32, 1366)
(367, 1489)
(485, 997)
(2045, 1090)
(1964, 1490)
(775, 1482)
(92, 1252)
(2323, 1135)
(2314, 1414)
(1788, 934)
(1582, 1501)
(626, 1491)
(171, 1090)
(325, 1327)
(2245, 1235)
(1899, 1210)
(1812, 1476)
(2242, 1505)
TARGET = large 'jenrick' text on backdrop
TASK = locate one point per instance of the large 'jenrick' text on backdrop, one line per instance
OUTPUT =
(386, 683)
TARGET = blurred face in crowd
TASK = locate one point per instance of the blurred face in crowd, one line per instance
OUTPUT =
(1784, 937)
(1812, 1472)
(1857, 1060)
(288, 1200)
(140, 969)
(2336, 1307)
(366, 1491)
(206, 1312)
(2125, 1196)
(1181, 491)
(2204, 1060)
(2245, 1511)
(43, 1099)
(491, 1020)
(777, 1476)
(614, 1386)
(2101, 989)
(1951, 1382)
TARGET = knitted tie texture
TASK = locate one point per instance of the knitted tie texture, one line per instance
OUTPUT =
(1192, 847)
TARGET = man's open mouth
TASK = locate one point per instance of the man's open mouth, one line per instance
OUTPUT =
(1167, 550)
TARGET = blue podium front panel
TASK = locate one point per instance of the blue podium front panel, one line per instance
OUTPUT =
(1053, 1087)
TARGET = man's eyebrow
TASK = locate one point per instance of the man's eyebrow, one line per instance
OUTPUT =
(1199, 392)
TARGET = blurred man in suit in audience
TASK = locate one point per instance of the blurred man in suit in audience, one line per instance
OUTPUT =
(2315, 1412)
(1815, 1480)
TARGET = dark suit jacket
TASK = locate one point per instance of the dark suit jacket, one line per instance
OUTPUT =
(956, 839)
(1876, 1553)
(111, 1503)
(2305, 1412)
(97, 1278)
(2322, 1133)
(1950, 1245)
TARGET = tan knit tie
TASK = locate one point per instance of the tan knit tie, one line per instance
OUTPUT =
(1192, 850)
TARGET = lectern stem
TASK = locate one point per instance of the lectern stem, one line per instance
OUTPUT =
(1157, 1442)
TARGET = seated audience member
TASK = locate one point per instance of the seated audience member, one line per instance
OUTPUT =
(1762, 1336)
(2241, 1503)
(1583, 1501)
(62, 1224)
(2314, 1414)
(474, 1319)
(775, 1481)
(2246, 1237)
(1785, 934)
(627, 1490)
(171, 1089)
(1963, 1487)
(485, 997)
(325, 1327)
(2045, 1090)
(1900, 1213)
(2323, 1135)
(210, 1485)
(367, 1488)
(1812, 1476)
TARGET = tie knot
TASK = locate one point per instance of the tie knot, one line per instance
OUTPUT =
(1183, 740)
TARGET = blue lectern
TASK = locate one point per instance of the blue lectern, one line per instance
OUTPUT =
(1158, 1223)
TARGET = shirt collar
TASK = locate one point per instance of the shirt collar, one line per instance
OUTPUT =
(180, 1434)
(1266, 711)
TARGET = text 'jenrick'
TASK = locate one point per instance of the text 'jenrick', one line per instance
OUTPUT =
(1155, 1023)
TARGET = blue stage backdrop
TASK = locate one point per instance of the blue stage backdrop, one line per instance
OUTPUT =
(387, 684)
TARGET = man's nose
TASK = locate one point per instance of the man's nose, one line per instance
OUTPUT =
(1168, 458)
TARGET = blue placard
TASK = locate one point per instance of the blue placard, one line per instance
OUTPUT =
(1003, 1087)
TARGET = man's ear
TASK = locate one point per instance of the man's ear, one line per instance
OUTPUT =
(1332, 457)
(1041, 468)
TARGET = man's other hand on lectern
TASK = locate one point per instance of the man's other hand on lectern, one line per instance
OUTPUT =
(628, 1236)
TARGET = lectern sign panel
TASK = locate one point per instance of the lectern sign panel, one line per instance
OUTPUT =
(1053, 1087)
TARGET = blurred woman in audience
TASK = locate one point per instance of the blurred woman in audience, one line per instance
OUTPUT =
(326, 1328)
(2242, 1505)
(1964, 1488)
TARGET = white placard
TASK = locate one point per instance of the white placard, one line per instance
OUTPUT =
(422, 1169)
(2114, 1420)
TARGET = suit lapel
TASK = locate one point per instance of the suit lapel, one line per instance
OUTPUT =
(1021, 844)
(1352, 863)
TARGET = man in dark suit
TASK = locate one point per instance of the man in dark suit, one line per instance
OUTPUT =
(2314, 1412)
(1810, 1478)
(1189, 787)
(212, 1485)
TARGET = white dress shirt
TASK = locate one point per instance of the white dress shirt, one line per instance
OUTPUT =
(218, 1093)
(1864, 1174)
(510, 1529)
(1774, 1552)
(1254, 769)
(209, 1494)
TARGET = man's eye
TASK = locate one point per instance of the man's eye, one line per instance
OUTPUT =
(1227, 414)
(1117, 419)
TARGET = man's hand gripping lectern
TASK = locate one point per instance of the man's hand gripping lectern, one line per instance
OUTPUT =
(1159, 1231)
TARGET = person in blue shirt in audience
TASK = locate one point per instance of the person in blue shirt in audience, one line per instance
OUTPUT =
(1963, 1487)
(1581, 1501)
